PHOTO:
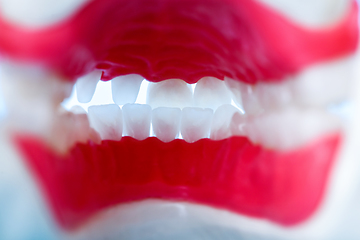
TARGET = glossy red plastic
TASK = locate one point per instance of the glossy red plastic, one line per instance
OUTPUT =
(232, 174)
(186, 39)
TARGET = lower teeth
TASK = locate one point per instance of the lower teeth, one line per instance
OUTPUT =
(284, 130)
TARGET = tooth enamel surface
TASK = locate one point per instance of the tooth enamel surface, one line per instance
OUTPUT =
(312, 13)
(227, 121)
(195, 123)
(31, 95)
(166, 123)
(290, 128)
(86, 85)
(36, 13)
(107, 120)
(273, 96)
(324, 83)
(125, 89)
(211, 93)
(244, 96)
(69, 128)
(78, 110)
(279, 115)
(137, 120)
(170, 93)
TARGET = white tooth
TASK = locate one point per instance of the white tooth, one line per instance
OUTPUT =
(137, 119)
(195, 123)
(244, 96)
(227, 121)
(77, 110)
(36, 13)
(166, 123)
(211, 93)
(77, 130)
(31, 95)
(312, 13)
(273, 95)
(169, 93)
(324, 83)
(107, 120)
(290, 128)
(125, 89)
(234, 88)
(86, 85)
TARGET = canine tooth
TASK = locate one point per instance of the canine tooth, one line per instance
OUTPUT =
(86, 85)
(107, 121)
(169, 93)
(195, 123)
(211, 93)
(324, 83)
(244, 96)
(273, 95)
(37, 13)
(166, 123)
(290, 128)
(227, 121)
(137, 119)
(125, 89)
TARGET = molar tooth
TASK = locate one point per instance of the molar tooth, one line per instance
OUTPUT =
(137, 119)
(125, 89)
(227, 121)
(195, 123)
(107, 121)
(169, 93)
(166, 123)
(244, 96)
(290, 128)
(273, 95)
(211, 93)
(324, 83)
(86, 85)
(77, 130)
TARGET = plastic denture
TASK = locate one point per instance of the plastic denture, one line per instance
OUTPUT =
(270, 156)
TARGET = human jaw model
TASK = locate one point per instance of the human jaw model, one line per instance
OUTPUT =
(283, 168)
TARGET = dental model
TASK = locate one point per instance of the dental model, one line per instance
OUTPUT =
(275, 164)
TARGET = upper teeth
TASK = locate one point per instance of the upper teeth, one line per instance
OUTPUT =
(316, 86)
(211, 93)
(125, 89)
(86, 85)
(170, 93)
(277, 115)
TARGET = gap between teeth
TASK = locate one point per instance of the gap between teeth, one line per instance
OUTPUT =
(282, 115)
